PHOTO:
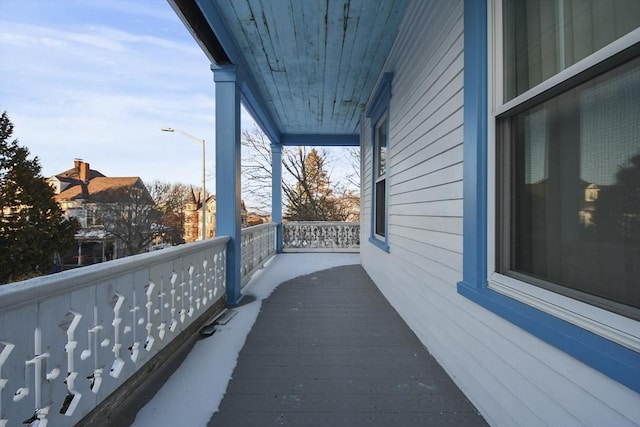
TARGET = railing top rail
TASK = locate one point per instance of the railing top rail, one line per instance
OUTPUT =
(41, 288)
(258, 227)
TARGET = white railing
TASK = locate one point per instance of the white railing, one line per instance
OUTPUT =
(318, 236)
(257, 246)
(69, 340)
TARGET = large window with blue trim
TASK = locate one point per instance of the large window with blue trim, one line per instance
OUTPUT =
(568, 153)
(552, 174)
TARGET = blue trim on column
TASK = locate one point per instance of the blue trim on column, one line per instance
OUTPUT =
(613, 360)
(276, 192)
(228, 220)
(327, 140)
(475, 143)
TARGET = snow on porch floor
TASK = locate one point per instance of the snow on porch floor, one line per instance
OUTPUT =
(323, 349)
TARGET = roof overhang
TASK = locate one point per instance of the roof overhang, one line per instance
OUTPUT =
(306, 68)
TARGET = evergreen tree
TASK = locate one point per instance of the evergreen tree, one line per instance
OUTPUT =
(311, 197)
(32, 229)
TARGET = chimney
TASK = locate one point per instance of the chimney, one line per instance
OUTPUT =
(84, 172)
(77, 163)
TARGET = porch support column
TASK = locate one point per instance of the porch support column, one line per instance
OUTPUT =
(276, 192)
(228, 220)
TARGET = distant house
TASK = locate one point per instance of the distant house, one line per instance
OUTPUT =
(86, 194)
(193, 216)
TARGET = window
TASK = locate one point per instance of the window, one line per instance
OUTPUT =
(569, 159)
(380, 155)
(378, 112)
(551, 174)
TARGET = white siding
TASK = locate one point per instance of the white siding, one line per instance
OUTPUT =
(512, 377)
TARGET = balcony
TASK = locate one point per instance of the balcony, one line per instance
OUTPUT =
(90, 346)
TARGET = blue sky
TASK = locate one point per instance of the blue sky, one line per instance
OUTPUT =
(97, 79)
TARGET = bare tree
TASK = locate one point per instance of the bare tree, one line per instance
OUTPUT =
(353, 178)
(170, 199)
(308, 189)
(131, 218)
(256, 169)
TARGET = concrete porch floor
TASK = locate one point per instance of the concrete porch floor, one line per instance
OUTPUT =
(328, 350)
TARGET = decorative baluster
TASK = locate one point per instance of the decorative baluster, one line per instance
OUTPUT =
(181, 297)
(40, 413)
(5, 350)
(69, 325)
(148, 344)
(205, 285)
(174, 299)
(118, 363)
(92, 348)
(162, 306)
(134, 350)
(213, 289)
(191, 284)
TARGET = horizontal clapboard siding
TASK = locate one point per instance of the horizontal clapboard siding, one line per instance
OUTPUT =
(512, 377)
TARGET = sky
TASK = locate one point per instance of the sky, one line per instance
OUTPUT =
(194, 392)
(98, 79)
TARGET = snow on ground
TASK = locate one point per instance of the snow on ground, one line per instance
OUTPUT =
(194, 392)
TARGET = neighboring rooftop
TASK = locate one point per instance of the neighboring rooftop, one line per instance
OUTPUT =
(82, 182)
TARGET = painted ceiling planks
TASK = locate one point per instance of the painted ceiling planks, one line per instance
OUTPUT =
(314, 62)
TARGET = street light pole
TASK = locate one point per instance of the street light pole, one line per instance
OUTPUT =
(204, 188)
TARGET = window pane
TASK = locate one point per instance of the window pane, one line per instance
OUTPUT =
(543, 37)
(380, 208)
(575, 189)
(381, 148)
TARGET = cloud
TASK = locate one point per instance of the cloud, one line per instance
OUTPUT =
(95, 91)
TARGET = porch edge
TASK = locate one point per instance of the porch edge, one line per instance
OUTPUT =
(121, 407)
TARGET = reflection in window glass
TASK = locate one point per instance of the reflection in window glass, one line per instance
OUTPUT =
(574, 195)
(544, 37)
(381, 147)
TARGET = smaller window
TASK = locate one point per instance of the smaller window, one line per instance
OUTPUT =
(378, 112)
(381, 177)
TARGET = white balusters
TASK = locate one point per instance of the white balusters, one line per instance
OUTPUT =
(257, 246)
(318, 236)
(135, 303)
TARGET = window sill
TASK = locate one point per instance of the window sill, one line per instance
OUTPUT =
(616, 361)
(379, 243)
(611, 326)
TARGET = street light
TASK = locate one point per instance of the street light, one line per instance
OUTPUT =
(204, 191)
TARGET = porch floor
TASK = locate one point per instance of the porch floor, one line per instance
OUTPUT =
(327, 349)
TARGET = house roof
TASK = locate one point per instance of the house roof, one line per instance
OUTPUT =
(307, 67)
(73, 174)
(98, 189)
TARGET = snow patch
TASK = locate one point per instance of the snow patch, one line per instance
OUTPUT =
(193, 393)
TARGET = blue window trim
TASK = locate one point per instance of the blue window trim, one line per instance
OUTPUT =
(379, 106)
(614, 360)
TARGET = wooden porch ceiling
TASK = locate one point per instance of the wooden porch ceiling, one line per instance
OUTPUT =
(308, 66)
